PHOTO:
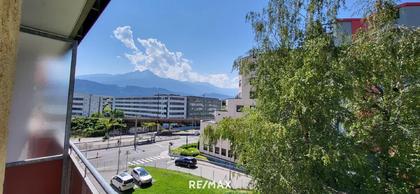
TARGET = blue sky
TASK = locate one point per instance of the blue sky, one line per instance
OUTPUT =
(188, 40)
(210, 34)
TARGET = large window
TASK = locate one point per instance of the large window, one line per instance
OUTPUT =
(223, 152)
(216, 150)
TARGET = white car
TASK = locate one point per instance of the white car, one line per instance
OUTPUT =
(123, 181)
(141, 175)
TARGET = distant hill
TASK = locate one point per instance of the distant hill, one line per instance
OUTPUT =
(90, 87)
(144, 83)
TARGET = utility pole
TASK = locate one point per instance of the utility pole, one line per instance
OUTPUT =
(135, 134)
(118, 162)
(126, 160)
(119, 152)
(186, 140)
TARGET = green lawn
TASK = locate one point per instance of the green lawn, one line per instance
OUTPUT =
(169, 181)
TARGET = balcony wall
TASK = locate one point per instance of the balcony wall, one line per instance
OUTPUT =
(36, 178)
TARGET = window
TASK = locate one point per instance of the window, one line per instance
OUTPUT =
(252, 94)
(239, 108)
(205, 147)
(216, 150)
(210, 148)
(118, 179)
(252, 107)
(223, 152)
(230, 154)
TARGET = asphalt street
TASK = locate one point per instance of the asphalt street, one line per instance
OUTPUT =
(156, 154)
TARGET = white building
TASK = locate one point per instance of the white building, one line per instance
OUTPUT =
(87, 104)
(158, 106)
(233, 109)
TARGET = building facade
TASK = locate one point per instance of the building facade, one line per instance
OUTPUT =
(202, 107)
(408, 15)
(234, 109)
(158, 106)
(87, 104)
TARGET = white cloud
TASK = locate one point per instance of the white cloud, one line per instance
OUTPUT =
(154, 56)
(125, 35)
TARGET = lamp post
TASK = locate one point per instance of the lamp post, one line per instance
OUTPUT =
(135, 134)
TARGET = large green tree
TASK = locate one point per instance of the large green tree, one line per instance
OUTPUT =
(330, 118)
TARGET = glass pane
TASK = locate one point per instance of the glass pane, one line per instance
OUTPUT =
(39, 103)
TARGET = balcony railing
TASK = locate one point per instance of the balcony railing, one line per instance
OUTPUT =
(88, 173)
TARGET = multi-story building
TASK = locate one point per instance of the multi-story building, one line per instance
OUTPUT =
(158, 106)
(408, 15)
(87, 104)
(233, 109)
(202, 107)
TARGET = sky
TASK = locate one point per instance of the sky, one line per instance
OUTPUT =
(187, 40)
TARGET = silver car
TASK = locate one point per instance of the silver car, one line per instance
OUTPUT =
(141, 175)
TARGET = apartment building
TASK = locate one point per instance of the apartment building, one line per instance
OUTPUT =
(158, 106)
(201, 107)
(234, 109)
(408, 15)
(87, 104)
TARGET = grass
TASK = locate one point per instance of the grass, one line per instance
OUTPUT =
(174, 182)
(201, 157)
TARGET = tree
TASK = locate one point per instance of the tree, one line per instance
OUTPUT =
(330, 118)
(95, 126)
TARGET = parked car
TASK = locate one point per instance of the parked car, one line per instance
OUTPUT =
(186, 161)
(141, 175)
(123, 181)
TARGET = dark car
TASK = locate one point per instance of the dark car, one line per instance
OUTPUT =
(186, 161)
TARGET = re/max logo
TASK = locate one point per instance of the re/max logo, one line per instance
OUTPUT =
(205, 184)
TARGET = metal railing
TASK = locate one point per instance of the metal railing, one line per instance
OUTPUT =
(105, 187)
(88, 146)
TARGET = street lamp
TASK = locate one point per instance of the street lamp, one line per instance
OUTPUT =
(135, 135)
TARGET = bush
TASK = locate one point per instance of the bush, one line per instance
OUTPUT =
(191, 145)
(190, 152)
(187, 150)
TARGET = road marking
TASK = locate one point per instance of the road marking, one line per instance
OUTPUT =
(155, 158)
(147, 160)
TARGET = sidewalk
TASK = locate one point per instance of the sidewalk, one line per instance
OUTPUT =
(128, 141)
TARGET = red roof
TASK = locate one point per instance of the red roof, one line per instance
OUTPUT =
(409, 4)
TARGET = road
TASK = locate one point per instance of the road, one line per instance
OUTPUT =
(106, 160)
(156, 154)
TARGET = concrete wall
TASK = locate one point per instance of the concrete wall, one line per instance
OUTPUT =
(409, 16)
(10, 12)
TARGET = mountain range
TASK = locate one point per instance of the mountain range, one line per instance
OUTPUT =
(145, 83)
